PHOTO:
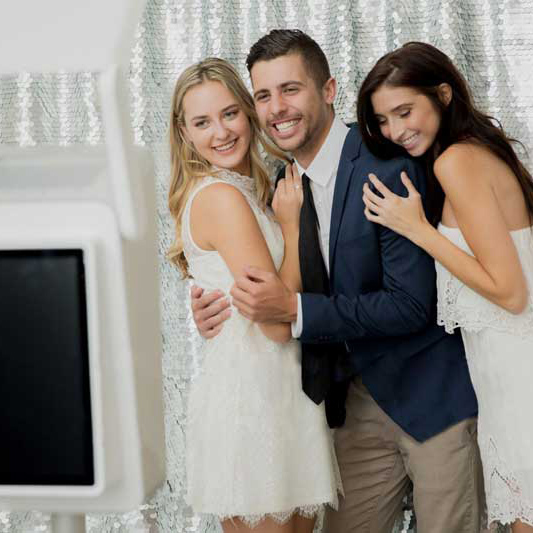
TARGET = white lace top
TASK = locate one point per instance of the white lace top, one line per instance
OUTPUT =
(206, 266)
(461, 307)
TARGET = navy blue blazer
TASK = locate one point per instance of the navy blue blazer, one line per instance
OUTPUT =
(383, 307)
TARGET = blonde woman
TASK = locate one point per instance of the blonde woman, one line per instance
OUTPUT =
(259, 453)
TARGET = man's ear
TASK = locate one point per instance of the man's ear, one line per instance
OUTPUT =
(330, 90)
(445, 93)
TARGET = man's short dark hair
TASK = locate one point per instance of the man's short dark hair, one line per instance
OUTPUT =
(279, 43)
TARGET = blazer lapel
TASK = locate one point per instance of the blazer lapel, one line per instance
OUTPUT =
(350, 152)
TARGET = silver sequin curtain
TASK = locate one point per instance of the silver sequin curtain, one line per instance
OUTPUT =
(490, 40)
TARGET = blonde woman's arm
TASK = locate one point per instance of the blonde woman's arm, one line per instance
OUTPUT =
(222, 220)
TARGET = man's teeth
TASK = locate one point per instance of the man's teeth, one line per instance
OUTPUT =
(409, 140)
(225, 147)
(282, 126)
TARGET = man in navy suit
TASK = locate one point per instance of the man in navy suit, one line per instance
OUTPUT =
(369, 334)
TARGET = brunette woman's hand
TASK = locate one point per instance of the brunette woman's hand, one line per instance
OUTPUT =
(288, 199)
(403, 215)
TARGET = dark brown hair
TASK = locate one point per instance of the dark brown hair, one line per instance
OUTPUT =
(279, 43)
(423, 67)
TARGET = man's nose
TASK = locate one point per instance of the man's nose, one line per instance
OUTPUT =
(277, 104)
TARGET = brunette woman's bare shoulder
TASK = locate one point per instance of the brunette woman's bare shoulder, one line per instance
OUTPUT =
(464, 159)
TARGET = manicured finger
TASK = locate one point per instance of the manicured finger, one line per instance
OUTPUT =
(295, 174)
(372, 196)
(369, 205)
(408, 183)
(370, 216)
(196, 291)
(288, 171)
(205, 314)
(209, 298)
(281, 187)
(275, 201)
(212, 332)
(290, 180)
(367, 201)
(216, 320)
(204, 299)
(379, 185)
(297, 179)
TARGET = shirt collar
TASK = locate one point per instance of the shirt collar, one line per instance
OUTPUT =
(324, 165)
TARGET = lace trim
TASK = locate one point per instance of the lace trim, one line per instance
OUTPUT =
(252, 521)
(482, 314)
(507, 504)
(244, 183)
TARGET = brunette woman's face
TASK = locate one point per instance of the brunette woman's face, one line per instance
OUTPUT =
(217, 126)
(407, 117)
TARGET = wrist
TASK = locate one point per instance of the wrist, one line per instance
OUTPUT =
(290, 229)
(291, 306)
(424, 235)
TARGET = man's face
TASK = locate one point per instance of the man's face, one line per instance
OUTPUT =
(292, 110)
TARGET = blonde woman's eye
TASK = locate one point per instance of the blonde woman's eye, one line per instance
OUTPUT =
(405, 113)
(201, 124)
(231, 114)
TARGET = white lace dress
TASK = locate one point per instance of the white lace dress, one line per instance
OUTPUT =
(499, 351)
(257, 446)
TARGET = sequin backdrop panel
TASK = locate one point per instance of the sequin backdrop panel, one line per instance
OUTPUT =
(490, 40)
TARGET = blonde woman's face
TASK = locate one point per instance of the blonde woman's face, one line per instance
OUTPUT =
(217, 126)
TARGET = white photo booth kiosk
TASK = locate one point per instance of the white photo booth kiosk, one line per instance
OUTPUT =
(80, 359)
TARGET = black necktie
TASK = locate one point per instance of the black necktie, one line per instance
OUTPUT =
(318, 360)
(312, 266)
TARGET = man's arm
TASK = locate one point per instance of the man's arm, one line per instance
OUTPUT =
(402, 305)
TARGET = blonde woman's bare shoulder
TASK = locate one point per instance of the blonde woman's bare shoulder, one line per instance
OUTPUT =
(219, 196)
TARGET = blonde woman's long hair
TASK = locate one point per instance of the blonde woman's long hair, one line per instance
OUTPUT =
(187, 165)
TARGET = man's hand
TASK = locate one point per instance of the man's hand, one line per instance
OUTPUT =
(210, 310)
(262, 297)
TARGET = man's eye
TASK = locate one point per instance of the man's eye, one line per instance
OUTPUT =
(261, 98)
(290, 89)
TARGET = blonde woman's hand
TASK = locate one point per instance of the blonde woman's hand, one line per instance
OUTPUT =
(403, 215)
(288, 199)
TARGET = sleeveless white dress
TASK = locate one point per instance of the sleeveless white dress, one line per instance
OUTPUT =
(499, 351)
(257, 446)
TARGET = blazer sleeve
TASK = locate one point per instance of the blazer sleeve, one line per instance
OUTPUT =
(405, 301)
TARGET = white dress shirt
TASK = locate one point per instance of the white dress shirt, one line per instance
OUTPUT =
(322, 173)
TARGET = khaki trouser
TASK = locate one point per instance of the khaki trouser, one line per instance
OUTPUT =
(377, 459)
